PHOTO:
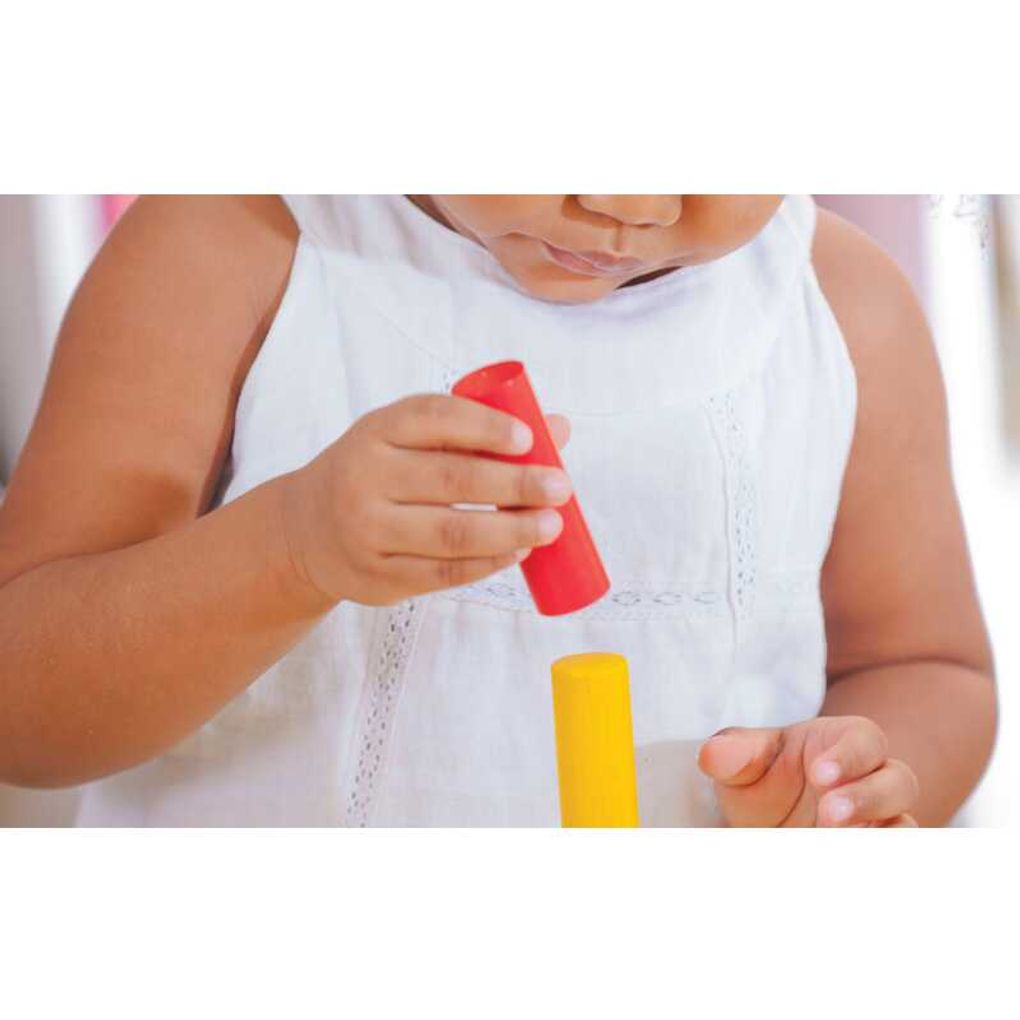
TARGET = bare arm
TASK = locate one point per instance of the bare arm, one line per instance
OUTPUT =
(126, 617)
(907, 643)
(128, 613)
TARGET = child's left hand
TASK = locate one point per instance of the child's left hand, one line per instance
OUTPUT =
(829, 771)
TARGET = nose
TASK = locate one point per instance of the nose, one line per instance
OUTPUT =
(636, 210)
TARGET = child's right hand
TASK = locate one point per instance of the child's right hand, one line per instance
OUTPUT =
(371, 518)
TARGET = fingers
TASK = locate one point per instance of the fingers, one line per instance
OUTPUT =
(559, 429)
(442, 533)
(421, 574)
(738, 757)
(436, 421)
(829, 771)
(900, 822)
(887, 793)
(443, 478)
(758, 777)
(858, 751)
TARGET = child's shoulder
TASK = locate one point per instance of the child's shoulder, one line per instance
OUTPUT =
(185, 232)
(884, 327)
(186, 259)
(869, 294)
(900, 394)
(145, 376)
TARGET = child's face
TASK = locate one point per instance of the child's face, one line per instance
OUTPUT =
(575, 248)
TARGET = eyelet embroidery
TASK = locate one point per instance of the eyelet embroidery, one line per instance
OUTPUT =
(741, 497)
(402, 626)
(629, 602)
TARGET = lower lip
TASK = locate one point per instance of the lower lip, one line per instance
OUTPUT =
(575, 264)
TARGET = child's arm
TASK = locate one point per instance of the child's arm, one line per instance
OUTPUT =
(909, 717)
(127, 617)
(124, 621)
(907, 643)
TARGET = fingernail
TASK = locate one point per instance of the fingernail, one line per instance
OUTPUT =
(556, 487)
(731, 756)
(549, 525)
(521, 439)
(839, 809)
(827, 772)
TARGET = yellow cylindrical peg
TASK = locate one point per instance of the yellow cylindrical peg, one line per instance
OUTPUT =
(594, 741)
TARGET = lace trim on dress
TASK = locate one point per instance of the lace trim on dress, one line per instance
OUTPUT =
(386, 679)
(625, 602)
(740, 495)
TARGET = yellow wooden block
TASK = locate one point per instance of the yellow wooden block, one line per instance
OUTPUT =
(594, 741)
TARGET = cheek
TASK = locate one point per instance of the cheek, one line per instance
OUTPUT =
(755, 211)
(723, 223)
(495, 216)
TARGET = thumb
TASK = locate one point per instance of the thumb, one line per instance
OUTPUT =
(739, 756)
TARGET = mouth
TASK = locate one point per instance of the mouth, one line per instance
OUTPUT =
(593, 263)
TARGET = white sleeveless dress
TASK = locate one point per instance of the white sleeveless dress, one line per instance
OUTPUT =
(712, 413)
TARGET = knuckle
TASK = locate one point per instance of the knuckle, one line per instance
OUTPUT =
(527, 482)
(870, 735)
(369, 422)
(410, 413)
(864, 724)
(871, 726)
(377, 564)
(364, 558)
(432, 407)
(449, 573)
(880, 739)
(908, 778)
(378, 417)
(455, 477)
(371, 567)
(455, 532)
(374, 426)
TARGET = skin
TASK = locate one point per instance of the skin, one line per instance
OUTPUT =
(662, 232)
(909, 719)
(109, 552)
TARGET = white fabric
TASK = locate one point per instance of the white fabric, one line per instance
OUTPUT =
(712, 411)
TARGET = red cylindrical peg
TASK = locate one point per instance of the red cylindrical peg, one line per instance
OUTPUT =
(568, 574)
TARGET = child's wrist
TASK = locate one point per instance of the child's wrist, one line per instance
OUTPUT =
(284, 555)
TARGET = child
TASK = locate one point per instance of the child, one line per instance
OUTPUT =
(238, 579)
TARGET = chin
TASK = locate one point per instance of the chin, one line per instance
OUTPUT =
(564, 288)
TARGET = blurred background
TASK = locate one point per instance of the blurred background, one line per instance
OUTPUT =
(962, 253)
